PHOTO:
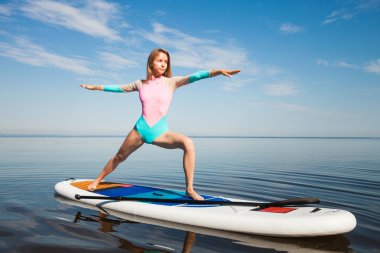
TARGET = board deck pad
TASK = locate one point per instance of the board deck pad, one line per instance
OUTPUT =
(110, 189)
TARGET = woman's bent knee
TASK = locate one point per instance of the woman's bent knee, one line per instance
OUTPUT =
(188, 144)
(119, 158)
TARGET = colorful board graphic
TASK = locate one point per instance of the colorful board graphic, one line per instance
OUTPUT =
(136, 191)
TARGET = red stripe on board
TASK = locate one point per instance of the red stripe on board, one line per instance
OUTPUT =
(278, 209)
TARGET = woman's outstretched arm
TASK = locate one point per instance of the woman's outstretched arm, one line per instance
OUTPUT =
(202, 75)
(109, 88)
(113, 88)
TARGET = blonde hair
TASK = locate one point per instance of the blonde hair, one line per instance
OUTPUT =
(152, 56)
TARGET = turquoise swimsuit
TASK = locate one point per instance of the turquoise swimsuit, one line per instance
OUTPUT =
(155, 96)
(148, 133)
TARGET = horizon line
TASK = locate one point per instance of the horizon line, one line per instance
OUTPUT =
(191, 136)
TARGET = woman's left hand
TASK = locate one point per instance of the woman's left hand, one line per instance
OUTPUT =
(224, 72)
(230, 73)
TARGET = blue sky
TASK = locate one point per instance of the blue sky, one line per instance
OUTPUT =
(309, 68)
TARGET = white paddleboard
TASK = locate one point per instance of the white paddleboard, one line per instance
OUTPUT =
(287, 221)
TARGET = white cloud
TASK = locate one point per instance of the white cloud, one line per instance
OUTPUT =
(192, 52)
(5, 10)
(116, 61)
(4, 33)
(160, 13)
(350, 13)
(22, 50)
(92, 19)
(289, 28)
(322, 62)
(189, 51)
(234, 83)
(339, 64)
(249, 74)
(373, 67)
(95, 18)
(338, 15)
(344, 64)
(282, 89)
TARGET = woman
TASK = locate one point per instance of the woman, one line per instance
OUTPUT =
(156, 94)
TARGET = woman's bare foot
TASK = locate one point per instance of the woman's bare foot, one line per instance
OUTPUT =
(92, 186)
(195, 196)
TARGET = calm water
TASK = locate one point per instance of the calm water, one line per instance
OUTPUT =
(343, 173)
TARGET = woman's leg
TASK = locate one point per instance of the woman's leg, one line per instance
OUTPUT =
(131, 143)
(171, 141)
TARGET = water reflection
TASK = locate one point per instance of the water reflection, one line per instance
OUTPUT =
(109, 223)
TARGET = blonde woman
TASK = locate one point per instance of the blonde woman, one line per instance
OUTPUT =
(156, 93)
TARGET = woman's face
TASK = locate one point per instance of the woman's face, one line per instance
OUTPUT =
(160, 64)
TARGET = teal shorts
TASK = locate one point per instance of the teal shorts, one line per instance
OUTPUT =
(149, 134)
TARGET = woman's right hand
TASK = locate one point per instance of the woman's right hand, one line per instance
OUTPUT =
(87, 86)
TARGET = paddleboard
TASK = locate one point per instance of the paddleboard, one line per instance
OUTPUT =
(287, 221)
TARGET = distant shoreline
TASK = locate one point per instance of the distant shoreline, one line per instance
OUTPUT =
(192, 136)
